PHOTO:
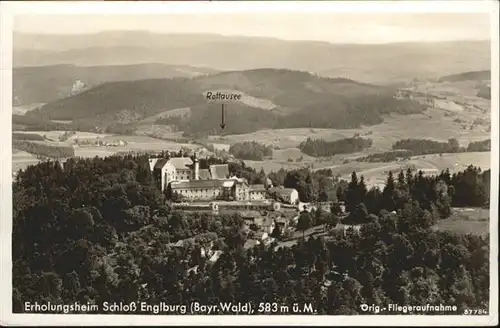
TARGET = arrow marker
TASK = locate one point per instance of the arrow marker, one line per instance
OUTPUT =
(223, 124)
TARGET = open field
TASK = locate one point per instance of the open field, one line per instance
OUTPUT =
(459, 91)
(62, 122)
(291, 153)
(165, 114)
(432, 124)
(21, 110)
(22, 159)
(246, 99)
(376, 173)
(54, 135)
(430, 164)
(467, 220)
(158, 131)
(452, 109)
(134, 143)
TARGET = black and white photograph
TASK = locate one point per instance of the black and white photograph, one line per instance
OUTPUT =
(298, 163)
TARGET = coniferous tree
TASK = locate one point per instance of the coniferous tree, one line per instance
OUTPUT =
(362, 190)
(389, 193)
(352, 194)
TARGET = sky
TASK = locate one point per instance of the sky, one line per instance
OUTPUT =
(329, 27)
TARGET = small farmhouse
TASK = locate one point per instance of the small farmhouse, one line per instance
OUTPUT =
(286, 195)
(257, 192)
(265, 224)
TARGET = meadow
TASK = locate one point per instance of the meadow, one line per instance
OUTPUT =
(376, 173)
(453, 113)
(432, 124)
(467, 220)
(22, 159)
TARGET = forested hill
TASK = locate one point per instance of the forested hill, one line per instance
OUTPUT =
(467, 76)
(374, 63)
(292, 98)
(99, 231)
(43, 84)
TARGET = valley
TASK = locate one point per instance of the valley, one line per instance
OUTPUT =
(452, 109)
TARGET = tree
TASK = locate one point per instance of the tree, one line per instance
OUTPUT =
(352, 194)
(402, 181)
(388, 194)
(276, 233)
(331, 220)
(362, 189)
(319, 216)
(92, 232)
(361, 213)
(454, 145)
(335, 208)
(372, 200)
(304, 223)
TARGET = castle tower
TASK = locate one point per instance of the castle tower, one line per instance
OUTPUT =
(196, 167)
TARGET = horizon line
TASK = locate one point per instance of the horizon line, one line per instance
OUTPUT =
(248, 37)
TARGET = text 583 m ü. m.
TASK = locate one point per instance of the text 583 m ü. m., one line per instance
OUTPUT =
(275, 308)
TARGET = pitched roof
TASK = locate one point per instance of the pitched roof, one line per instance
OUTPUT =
(181, 162)
(282, 191)
(262, 221)
(281, 220)
(234, 177)
(216, 256)
(160, 163)
(251, 243)
(204, 174)
(261, 234)
(196, 184)
(250, 214)
(257, 187)
(179, 243)
(219, 171)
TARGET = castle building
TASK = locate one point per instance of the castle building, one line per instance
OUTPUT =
(171, 169)
(184, 180)
(206, 190)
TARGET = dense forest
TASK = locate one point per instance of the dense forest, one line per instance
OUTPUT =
(389, 156)
(406, 148)
(425, 146)
(320, 147)
(44, 149)
(484, 145)
(27, 123)
(325, 103)
(27, 136)
(37, 123)
(484, 92)
(250, 150)
(98, 230)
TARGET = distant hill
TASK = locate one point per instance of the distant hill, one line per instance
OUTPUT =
(380, 64)
(300, 98)
(49, 83)
(468, 76)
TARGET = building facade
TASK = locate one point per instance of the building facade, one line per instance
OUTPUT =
(257, 192)
(286, 195)
(182, 179)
